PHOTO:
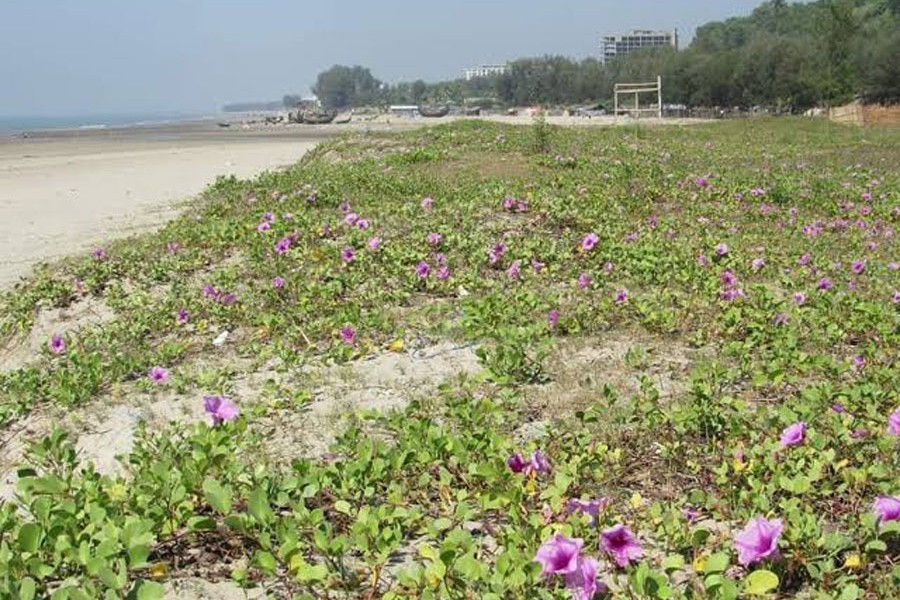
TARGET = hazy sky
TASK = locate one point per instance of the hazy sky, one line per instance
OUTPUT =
(72, 57)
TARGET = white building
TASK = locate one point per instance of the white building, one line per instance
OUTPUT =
(484, 71)
(620, 44)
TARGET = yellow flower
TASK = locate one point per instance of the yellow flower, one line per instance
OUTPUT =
(853, 561)
(159, 570)
(396, 346)
(700, 563)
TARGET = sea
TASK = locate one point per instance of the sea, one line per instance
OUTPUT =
(20, 124)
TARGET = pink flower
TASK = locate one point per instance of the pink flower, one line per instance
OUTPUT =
(758, 540)
(443, 272)
(374, 243)
(722, 250)
(537, 266)
(702, 261)
(351, 219)
(584, 281)
(347, 255)
(621, 545)
(824, 284)
(362, 224)
(496, 253)
(158, 375)
(220, 409)
(553, 317)
(264, 227)
(858, 266)
(894, 423)
(423, 270)
(173, 247)
(183, 316)
(434, 238)
(278, 283)
(57, 344)
(427, 202)
(513, 271)
(589, 241)
(516, 463)
(593, 508)
(793, 435)
(582, 582)
(799, 298)
(887, 508)
(803, 260)
(99, 253)
(538, 463)
(621, 296)
(757, 264)
(348, 335)
(559, 555)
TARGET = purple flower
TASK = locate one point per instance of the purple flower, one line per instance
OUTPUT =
(592, 508)
(344, 207)
(824, 284)
(722, 250)
(264, 227)
(374, 244)
(351, 219)
(173, 247)
(887, 508)
(348, 335)
(553, 317)
(621, 545)
(158, 375)
(858, 266)
(702, 261)
(858, 362)
(559, 555)
(793, 435)
(757, 263)
(537, 266)
(57, 344)
(209, 291)
(509, 203)
(362, 224)
(268, 217)
(584, 281)
(758, 540)
(423, 270)
(838, 408)
(780, 319)
(621, 296)
(690, 515)
(538, 463)
(589, 241)
(894, 423)
(702, 182)
(278, 283)
(347, 255)
(220, 409)
(803, 260)
(582, 582)
(443, 272)
(496, 253)
(516, 463)
(799, 298)
(728, 279)
(513, 271)
(427, 202)
(609, 267)
(283, 245)
(99, 253)
(183, 316)
(434, 238)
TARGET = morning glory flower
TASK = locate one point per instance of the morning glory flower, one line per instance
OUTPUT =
(592, 508)
(887, 508)
(621, 544)
(158, 375)
(434, 238)
(757, 263)
(793, 435)
(264, 227)
(496, 253)
(220, 409)
(278, 283)
(516, 463)
(722, 250)
(513, 271)
(799, 298)
(348, 335)
(824, 284)
(374, 243)
(589, 241)
(584, 281)
(57, 344)
(559, 555)
(183, 316)
(553, 317)
(347, 255)
(443, 272)
(423, 270)
(427, 202)
(283, 245)
(99, 253)
(582, 582)
(758, 540)
(362, 224)
(858, 266)
(351, 219)
(173, 247)
(538, 463)
(894, 423)
(621, 296)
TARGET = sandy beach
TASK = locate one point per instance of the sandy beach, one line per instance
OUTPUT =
(63, 192)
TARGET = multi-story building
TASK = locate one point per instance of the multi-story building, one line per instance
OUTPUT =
(484, 71)
(619, 44)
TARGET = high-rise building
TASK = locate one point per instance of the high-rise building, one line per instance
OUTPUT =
(484, 71)
(620, 44)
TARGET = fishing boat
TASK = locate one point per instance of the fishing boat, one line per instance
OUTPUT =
(434, 111)
(317, 118)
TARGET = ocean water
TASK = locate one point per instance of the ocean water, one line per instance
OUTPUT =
(11, 125)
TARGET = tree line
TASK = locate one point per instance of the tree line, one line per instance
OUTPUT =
(786, 56)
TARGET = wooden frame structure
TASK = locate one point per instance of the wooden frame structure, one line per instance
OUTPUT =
(637, 89)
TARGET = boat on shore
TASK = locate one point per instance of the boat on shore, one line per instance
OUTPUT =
(434, 111)
(317, 117)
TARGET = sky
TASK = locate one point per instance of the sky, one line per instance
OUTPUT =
(92, 57)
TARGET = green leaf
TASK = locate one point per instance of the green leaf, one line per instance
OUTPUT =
(27, 589)
(850, 592)
(258, 505)
(150, 590)
(108, 577)
(673, 562)
(717, 563)
(29, 537)
(342, 506)
(219, 498)
(201, 523)
(876, 546)
(760, 582)
(266, 561)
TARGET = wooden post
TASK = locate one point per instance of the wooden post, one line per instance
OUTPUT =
(616, 101)
(659, 94)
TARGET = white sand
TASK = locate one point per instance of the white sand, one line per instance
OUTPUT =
(60, 196)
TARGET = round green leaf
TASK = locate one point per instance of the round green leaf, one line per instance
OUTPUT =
(761, 582)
